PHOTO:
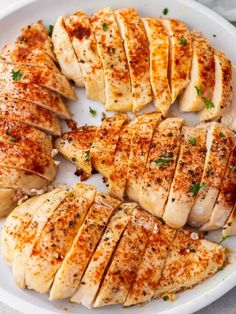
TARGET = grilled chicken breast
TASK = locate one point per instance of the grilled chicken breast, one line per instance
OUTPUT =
(202, 76)
(180, 55)
(8, 201)
(115, 66)
(137, 51)
(76, 260)
(219, 145)
(65, 53)
(159, 58)
(222, 94)
(230, 225)
(187, 176)
(80, 31)
(95, 271)
(160, 166)
(142, 131)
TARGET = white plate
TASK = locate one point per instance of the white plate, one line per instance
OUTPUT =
(198, 17)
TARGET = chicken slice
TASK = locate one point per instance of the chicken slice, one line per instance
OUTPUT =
(180, 55)
(137, 51)
(76, 146)
(189, 263)
(57, 237)
(222, 94)
(160, 168)
(148, 275)
(112, 53)
(202, 76)
(105, 142)
(80, 31)
(69, 275)
(21, 133)
(8, 202)
(118, 175)
(226, 198)
(95, 271)
(31, 232)
(30, 114)
(229, 115)
(25, 158)
(65, 53)
(125, 262)
(142, 131)
(229, 228)
(187, 176)
(38, 75)
(159, 58)
(219, 145)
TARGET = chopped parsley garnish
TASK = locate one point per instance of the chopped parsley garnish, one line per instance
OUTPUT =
(163, 160)
(92, 111)
(192, 141)
(183, 41)
(223, 239)
(199, 90)
(12, 139)
(194, 188)
(165, 298)
(16, 75)
(50, 30)
(87, 157)
(165, 11)
(233, 168)
(221, 134)
(209, 104)
(105, 27)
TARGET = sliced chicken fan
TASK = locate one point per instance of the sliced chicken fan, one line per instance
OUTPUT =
(202, 76)
(159, 59)
(219, 145)
(229, 228)
(8, 201)
(137, 51)
(112, 53)
(80, 31)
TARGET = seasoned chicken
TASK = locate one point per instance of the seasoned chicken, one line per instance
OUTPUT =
(137, 51)
(76, 146)
(153, 260)
(226, 199)
(222, 94)
(95, 271)
(105, 141)
(8, 201)
(180, 56)
(112, 53)
(160, 166)
(30, 234)
(159, 58)
(30, 114)
(65, 53)
(189, 262)
(202, 76)
(230, 225)
(69, 275)
(187, 176)
(57, 237)
(80, 31)
(219, 145)
(142, 131)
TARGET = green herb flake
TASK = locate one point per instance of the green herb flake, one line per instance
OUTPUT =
(199, 90)
(223, 239)
(16, 75)
(183, 41)
(209, 104)
(12, 139)
(194, 188)
(221, 134)
(165, 298)
(163, 160)
(165, 11)
(92, 111)
(233, 168)
(87, 157)
(192, 141)
(105, 27)
(50, 30)
(203, 186)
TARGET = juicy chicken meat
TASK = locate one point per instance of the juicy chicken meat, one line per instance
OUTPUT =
(65, 53)
(84, 43)
(159, 59)
(112, 53)
(202, 76)
(137, 51)
(8, 201)
(230, 225)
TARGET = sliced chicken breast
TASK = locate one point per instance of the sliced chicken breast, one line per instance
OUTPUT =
(189, 263)
(65, 53)
(180, 56)
(187, 176)
(30, 233)
(30, 114)
(229, 228)
(219, 145)
(112, 53)
(8, 201)
(202, 76)
(95, 271)
(137, 51)
(160, 166)
(142, 131)
(222, 94)
(159, 58)
(80, 31)
(69, 275)
(105, 142)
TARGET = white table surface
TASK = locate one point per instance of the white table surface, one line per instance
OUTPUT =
(227, 303)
